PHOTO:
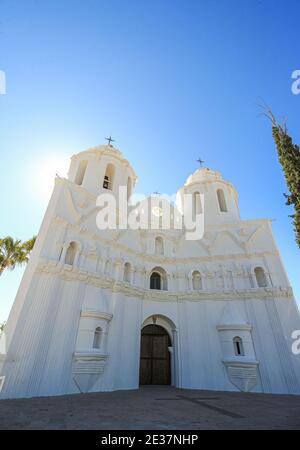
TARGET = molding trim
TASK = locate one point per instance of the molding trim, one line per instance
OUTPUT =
(101, 281)
(89, 355)
(239, 362)
(233, 327)
(96, 314)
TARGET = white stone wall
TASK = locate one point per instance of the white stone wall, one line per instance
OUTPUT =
(49, 333)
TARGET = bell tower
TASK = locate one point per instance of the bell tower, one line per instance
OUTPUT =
(102, 169)
(211, 195)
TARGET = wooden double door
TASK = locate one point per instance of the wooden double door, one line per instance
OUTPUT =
(155, 367)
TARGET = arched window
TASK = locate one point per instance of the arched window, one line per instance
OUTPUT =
(129, 188)
(238, 346)
(158, 279)
(155, 281)
(221, 200)
(127, 270)
(81, 172)
(71, 253)
(197, 206)
(159, 246)
(260, 277)
(197, 281)
(109, 177)
(97, 338)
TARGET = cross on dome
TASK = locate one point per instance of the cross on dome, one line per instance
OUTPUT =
(110, 140)
(200, 161)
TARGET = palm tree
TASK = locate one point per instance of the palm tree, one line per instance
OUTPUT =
(28, 245)
(14, 253)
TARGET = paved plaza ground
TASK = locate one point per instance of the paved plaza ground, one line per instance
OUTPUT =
(153, 408)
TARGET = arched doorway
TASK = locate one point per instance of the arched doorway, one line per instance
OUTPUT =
(155, 364)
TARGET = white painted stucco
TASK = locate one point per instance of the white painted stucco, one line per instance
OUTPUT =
(50, 332)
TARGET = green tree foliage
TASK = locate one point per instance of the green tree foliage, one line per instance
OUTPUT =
(289, 158)
(14, 252)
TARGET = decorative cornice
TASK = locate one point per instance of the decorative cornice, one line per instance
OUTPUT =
(96, 314)
(104, 282)
(241, 327)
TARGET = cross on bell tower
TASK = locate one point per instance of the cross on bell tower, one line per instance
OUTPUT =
(200, 161)
(110, 140)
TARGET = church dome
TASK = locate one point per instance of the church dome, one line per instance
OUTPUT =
(105, 150)
(219, 197)
(99, 150)
(203, 174)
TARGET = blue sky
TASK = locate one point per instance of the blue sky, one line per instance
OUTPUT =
(171, 80)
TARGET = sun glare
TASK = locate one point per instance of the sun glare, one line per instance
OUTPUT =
(45, 171)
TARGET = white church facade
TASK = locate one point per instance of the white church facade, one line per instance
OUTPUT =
(103, 310)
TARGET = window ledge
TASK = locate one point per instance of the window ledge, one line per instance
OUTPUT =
(240, 361)
(90, 355)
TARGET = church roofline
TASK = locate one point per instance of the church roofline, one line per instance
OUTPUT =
(205, 175)
(107, 150)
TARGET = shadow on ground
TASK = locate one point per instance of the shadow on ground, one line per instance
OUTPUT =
(153, 408)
